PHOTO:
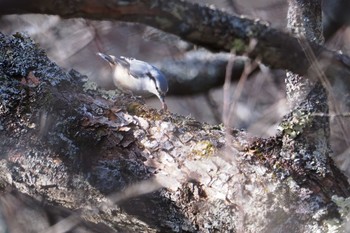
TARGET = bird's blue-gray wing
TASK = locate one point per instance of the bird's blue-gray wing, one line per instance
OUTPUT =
(142, 69)
(139, 68)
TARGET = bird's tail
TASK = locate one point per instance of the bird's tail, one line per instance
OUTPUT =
(109, 58)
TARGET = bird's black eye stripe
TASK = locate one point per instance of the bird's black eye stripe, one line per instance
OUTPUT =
(154, 80)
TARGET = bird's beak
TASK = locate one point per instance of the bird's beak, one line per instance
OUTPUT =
(164, 106)
(107, 58)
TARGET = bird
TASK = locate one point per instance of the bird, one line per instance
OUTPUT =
(137, 77)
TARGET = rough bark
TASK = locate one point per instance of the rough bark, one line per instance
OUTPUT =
(122, 166)
(305, 136)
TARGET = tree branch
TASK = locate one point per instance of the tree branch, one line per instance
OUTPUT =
(199, 71)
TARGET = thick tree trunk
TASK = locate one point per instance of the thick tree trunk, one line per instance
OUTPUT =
(306, 134)
(305, 131)
(124, 167)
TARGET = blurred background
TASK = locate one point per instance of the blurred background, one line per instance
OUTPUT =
(259, 105)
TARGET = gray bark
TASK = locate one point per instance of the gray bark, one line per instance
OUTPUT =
(126, 168)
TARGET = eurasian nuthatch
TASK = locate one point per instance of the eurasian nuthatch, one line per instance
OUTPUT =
(139, 77)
